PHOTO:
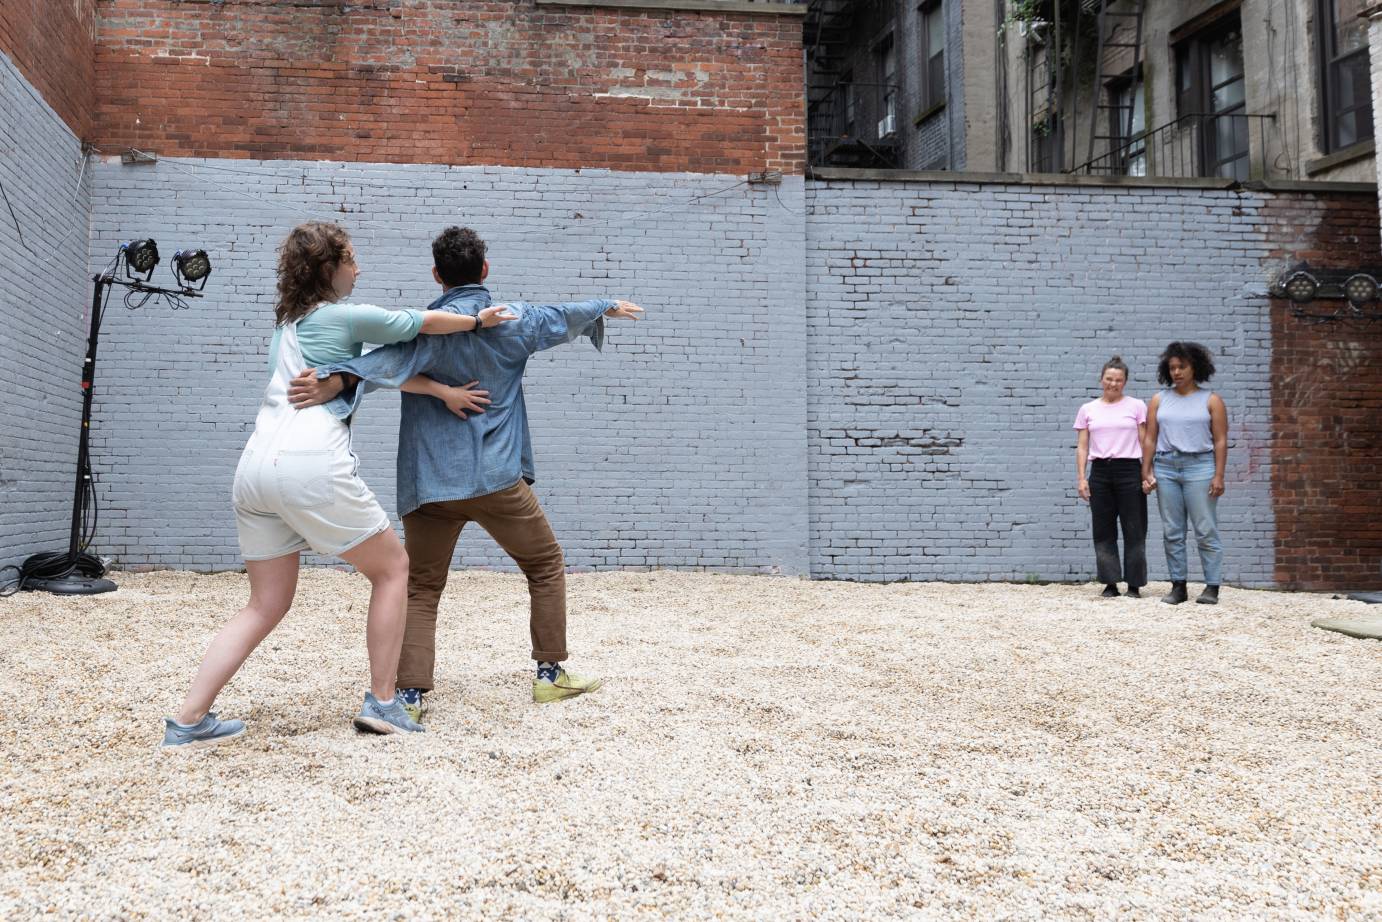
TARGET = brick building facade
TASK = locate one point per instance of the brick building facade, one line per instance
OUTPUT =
(843, 376)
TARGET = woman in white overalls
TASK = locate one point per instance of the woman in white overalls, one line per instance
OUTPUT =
(296, 487)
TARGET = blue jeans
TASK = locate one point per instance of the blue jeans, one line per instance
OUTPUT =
(1182, 497)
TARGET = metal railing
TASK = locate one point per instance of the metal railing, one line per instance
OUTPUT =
(857, 113)
(1229, 145)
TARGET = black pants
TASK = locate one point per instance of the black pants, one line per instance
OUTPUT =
(1116, 497)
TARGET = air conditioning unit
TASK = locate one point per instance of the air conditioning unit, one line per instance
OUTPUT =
(887, 124)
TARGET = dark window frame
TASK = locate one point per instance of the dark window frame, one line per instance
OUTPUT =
(1193, 53)
(850, 113)
(885, 92)
(1130, 80)
(933, 84)
(1048, 150)
(1330, 63)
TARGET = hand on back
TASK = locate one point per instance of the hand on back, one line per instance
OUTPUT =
(493, 316)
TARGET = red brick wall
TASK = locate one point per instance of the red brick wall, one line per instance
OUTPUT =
(1326, 406)
(50, 41)
(498, 83)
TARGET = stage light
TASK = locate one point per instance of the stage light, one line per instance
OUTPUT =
(1360, 289)
(191, 266)
(77, 571)
(140, 256)
(1301, 287)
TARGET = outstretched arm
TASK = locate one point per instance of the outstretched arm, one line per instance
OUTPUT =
(548, 325)
(447, 322)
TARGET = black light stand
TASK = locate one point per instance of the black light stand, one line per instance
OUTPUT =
(76, 572)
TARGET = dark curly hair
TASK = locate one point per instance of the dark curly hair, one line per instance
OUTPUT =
(459, 255)
(307, 260)
(1197, 356)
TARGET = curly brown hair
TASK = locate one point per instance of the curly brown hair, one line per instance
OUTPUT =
(307, 260)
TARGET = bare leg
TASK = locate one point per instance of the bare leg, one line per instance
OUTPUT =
(272, 585)
(385, 564)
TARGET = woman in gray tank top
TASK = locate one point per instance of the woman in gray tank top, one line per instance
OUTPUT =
(1183, 460)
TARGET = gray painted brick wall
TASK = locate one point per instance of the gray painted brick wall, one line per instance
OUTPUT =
(862, 380)
(955, 329)
(683, 445)
(43, 307)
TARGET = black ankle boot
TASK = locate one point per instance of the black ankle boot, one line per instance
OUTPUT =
(1110, 591)
(1134, 592)
(1210, 596)
(1177, 593)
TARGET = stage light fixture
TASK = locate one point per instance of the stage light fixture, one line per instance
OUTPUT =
(140, 257)
(1360, 289)
(77, 571)
(191, 266)
(1301, 287)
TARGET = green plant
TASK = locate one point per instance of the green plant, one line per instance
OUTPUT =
(1025, 10)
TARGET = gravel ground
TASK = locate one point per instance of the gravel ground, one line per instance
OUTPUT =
(764, 748)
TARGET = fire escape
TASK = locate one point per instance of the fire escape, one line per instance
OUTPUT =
(1076, 52)
(851, 121)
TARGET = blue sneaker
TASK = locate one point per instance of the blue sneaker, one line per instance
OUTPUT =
(206, 732)
(384, 718)
(412, 702)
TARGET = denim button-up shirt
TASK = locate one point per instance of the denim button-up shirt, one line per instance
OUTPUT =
(441, 456)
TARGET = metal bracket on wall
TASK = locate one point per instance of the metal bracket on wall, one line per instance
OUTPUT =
(767, 177)
(138, 156)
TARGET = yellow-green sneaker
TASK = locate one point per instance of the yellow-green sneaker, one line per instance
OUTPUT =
(566, 685)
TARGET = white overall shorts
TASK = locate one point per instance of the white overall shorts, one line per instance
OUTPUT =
(296, 486)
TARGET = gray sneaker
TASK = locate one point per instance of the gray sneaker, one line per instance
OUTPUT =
(206, 732)
(379, 718)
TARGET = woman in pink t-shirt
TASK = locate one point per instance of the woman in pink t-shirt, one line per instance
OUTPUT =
(1111, 430)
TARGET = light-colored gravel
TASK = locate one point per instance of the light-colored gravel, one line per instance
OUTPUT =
(764, 748)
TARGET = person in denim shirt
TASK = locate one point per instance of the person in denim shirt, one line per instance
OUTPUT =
(454, 469)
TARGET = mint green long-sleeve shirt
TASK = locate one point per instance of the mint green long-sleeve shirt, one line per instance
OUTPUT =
(336, 332)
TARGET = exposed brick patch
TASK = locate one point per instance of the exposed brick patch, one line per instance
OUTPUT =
(494, 83)
(51, 44)
(1326, 406)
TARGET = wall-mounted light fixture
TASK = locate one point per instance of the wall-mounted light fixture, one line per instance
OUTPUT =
(1300, 286)
(1360, 289)
(1323, 295)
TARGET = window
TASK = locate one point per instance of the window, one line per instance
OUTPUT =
(1211, 99)
(933, 53)
(1048, 144)
(1126, 135)
(887, 86)
(851, 104)
(1347, 96)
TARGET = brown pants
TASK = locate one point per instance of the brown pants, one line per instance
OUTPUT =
(516, 522)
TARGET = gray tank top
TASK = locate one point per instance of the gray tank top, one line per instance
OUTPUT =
(1183, 422)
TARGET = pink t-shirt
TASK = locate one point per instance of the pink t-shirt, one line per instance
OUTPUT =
(1113, 427)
